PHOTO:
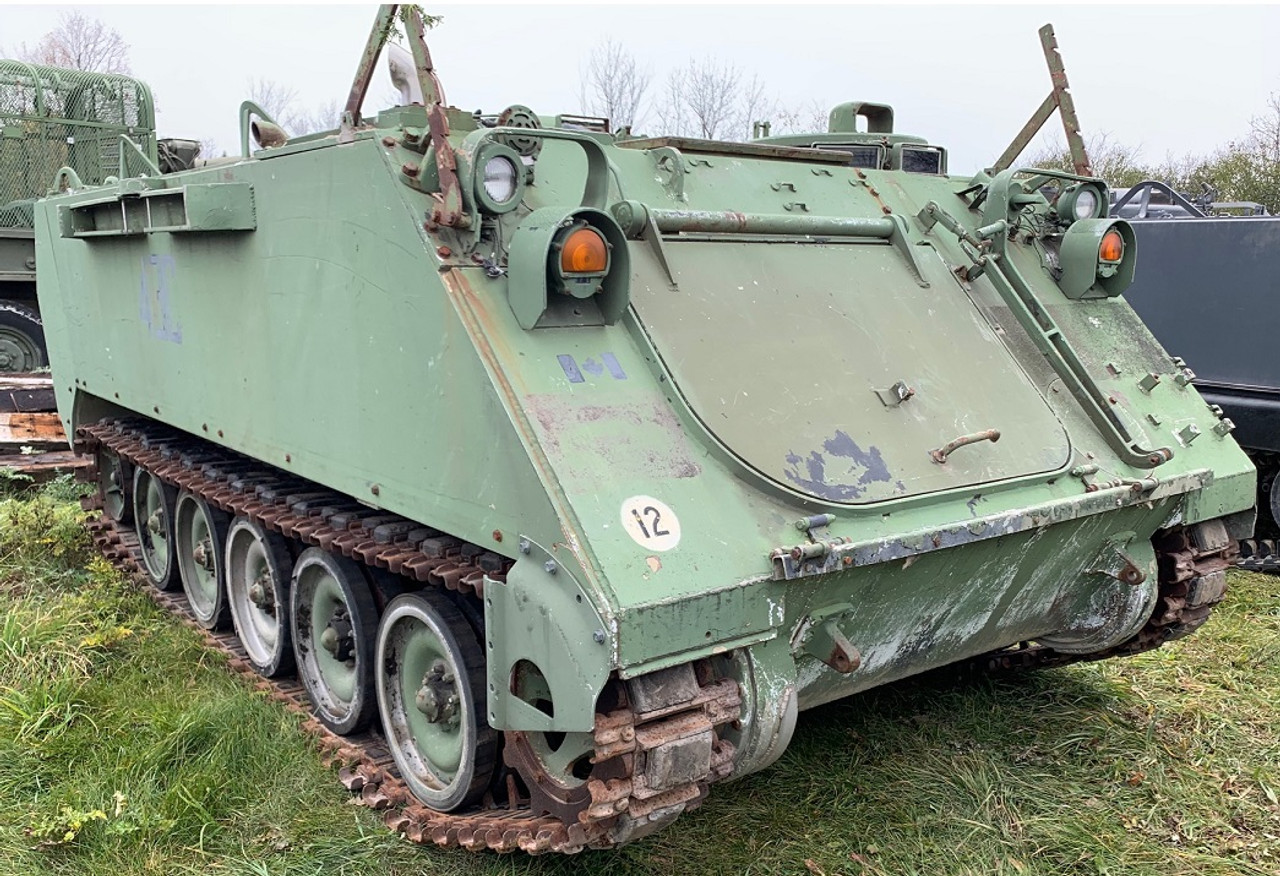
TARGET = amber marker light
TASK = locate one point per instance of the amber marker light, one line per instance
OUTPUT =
(1112, 248)
(584, 252)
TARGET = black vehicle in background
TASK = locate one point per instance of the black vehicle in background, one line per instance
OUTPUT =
(1208, 287)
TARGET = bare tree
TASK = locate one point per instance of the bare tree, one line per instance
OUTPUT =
(80, 43)
(275, 99)
(753, 105)
(1265, 131)
(700, 98)
(209, 148)
(1115, 162)
(613, 85)
(712, 99)
(322, 117)
(810, 117)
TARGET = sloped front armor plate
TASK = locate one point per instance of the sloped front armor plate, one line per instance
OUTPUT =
(780, 349)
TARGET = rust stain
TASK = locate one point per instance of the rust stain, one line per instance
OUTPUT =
(31, 427)
(654, 563)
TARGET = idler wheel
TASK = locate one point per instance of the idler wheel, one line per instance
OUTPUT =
(258, 564)
(153, 507)
(554, 766)
(200, 536)
(334, 625)
(430, 682)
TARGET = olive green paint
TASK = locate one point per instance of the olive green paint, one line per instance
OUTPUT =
(646, 454)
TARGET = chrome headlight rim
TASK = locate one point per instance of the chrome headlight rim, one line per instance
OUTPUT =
(1082, 201)
(496, 165)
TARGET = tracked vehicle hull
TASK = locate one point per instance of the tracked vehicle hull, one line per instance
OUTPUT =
(582, 467)
(1191, 582)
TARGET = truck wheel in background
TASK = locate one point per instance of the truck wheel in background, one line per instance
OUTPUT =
(21, 339)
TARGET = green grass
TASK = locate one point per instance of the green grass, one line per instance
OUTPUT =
(127, 748)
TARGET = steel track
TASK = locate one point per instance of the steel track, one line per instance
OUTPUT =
(621, 804)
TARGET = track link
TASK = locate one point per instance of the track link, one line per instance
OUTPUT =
(624, 806)
(1260, 555)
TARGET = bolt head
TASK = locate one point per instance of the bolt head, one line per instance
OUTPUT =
(550, 567)
(598, 635)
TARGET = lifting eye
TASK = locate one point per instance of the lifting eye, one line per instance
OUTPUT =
(584, 252)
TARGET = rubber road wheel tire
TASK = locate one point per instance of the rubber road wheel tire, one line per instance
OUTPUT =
(21, 338)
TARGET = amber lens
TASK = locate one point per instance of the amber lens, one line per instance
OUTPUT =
(584, 253)
(1112, 248)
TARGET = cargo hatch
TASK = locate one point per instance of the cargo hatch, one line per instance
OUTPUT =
(796, 355)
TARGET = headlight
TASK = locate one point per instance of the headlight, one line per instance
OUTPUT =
(499, 179)
(498, 183)
(1086, 205)
(1081, 201)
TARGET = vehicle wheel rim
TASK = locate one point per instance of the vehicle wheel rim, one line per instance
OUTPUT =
(18, 352)
(196, 547)
(253, 591)
(153, 526)
(111, 484)
(334, 627)
(427, 704)
(332, 638)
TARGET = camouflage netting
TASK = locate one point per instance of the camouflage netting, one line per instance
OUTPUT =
(51, 118)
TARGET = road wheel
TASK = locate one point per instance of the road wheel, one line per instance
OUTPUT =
(200, 537)
(153, 506)
(430, 679)
(334, 624)
(258, 566)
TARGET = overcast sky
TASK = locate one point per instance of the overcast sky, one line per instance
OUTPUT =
(1168, 79)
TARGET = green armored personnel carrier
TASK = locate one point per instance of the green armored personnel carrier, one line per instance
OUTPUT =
(51, 118)
(563, 472)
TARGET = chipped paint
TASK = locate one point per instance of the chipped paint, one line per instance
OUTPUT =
(622, 434)
(867, 466)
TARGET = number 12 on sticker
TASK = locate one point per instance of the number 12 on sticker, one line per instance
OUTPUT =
(651, 523)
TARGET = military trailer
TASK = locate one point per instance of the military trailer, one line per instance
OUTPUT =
(564, 471)
(1206, 287)
(52, 119)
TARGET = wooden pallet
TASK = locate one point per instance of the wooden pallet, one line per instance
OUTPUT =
(32, 440)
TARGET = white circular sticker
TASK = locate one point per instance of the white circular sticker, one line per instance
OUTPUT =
(650, 523)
